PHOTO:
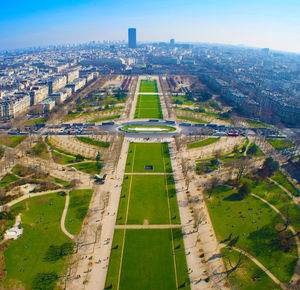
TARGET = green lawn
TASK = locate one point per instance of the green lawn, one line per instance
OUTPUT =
(93, 142)
(254, 222)
(148, 106)
(104, 119)
(243, 277)
(77, 210)
(148, 128)
(282, 180)
(35, 121)
(21, 170)
(149, 113)
(62, 158)
(36, 251)
(196, 120)
(149, 197)
(87, 167)
(147, 260)
(257, 124)
(181, 100)
(7, 179)
(12, 141)
(277, 197)
(155, 154)
(202, 143)
(258, 153)
(60, 150)
(148, 86)
(61, 182)
(40, 149)
(280, 144)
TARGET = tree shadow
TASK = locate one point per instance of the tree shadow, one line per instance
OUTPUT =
(234, 197)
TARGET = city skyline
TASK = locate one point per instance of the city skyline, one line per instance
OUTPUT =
(259, 24)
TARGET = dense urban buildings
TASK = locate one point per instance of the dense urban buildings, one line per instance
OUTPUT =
(263, 84)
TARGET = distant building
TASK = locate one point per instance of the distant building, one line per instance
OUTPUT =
(38, 94)
(46, 105)
(72, 75)
(11, 106)
(56, 83)
(131, 37)
(77, 84)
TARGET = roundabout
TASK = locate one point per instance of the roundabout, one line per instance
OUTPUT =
(147, 129)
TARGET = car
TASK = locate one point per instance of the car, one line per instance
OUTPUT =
(108, 123)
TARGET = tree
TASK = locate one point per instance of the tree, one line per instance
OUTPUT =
(269, 167)
(236, 149)
(79, 158)
(214, 162)
(244, 190)
(98, 157)
(252, 149)
(213, 182)
(241, 165)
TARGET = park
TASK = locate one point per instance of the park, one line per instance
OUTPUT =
(148, 205)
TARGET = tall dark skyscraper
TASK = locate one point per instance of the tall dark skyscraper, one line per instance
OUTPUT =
(131, 37)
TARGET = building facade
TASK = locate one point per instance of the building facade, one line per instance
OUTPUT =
(131, 37)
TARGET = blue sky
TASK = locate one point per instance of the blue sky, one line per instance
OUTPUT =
(259, 23)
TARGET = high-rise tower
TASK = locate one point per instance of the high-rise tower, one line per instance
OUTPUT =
(131, 37)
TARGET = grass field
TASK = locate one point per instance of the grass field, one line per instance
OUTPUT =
(282, 180)
(62, 182)
(148, 86)
(280, 144)
(62, 158)
(196, 120)
(7, 179)
(148, 106)
(254, 223)
(257, 124)
(258, 152)
(60, 150)
(104, 118)
(277, 197)
(40, 149)
(148, 261)
(155, 154)
(202, 143)
(93, 142)
(36, 251)
(147, 128)
(181, 100)
(243, 277)
(149, 256)
(77, 210)
(150, 198)
(88, 167)
(35, 121)
(11, 141)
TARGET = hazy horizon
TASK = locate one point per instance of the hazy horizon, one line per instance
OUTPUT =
(265, 23)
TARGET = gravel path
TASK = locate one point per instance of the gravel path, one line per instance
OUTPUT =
(63, 217)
